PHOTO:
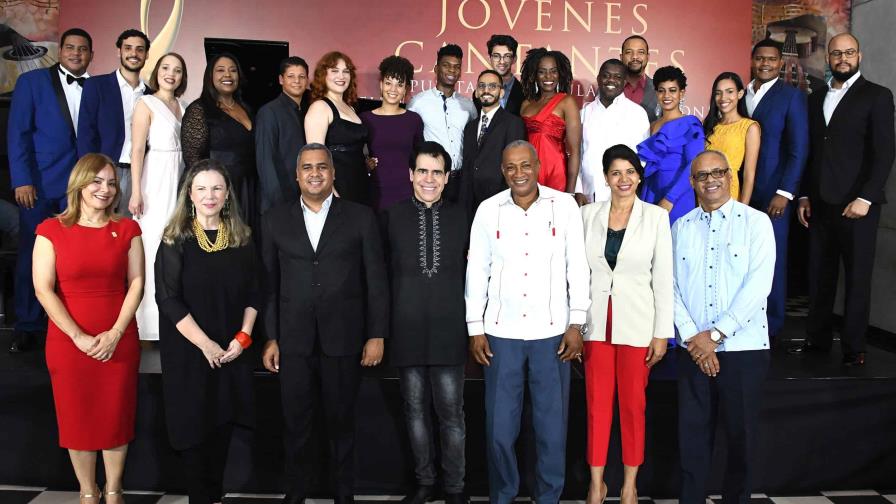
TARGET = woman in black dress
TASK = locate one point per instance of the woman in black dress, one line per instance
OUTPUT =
(332, 121)
(208, 295)
(218, 125)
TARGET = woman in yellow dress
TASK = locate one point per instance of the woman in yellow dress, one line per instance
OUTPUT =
(728, 129)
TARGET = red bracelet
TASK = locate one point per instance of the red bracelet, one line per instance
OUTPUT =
(244, 339)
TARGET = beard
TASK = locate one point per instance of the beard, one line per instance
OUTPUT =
(127, 64)
(634, 71)
(844, 76)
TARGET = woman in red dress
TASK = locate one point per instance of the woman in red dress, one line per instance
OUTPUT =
(552, 118)
(88, 276)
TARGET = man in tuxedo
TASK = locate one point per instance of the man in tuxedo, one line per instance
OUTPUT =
(852, 151)
(42, 152)
(280, 133)
(502, 54)
(107, 106)
(635, 55)
(484, 142)
(781, 110)
(326, 315)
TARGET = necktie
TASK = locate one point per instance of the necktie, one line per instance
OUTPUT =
(483, 129)
(71, 78)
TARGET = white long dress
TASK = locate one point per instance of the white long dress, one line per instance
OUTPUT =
(162, 167)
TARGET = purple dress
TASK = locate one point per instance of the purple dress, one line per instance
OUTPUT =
(392, 140)
(667, 156)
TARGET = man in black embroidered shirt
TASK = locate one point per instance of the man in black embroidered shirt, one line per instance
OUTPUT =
(425, 246)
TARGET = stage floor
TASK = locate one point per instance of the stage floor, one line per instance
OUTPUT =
(23, 495)
(824, 426)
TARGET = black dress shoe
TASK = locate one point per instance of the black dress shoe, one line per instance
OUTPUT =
(344, 499)
(422, 495)
(455, 498)
(806, 348)
(21, 342)
(854, 360)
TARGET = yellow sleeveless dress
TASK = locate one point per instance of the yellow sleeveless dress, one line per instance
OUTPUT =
(731, 140)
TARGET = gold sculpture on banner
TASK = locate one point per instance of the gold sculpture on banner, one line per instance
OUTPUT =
(164, 41)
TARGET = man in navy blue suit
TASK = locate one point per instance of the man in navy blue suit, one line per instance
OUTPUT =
(41, 143)
(107, 105)
(781, 111)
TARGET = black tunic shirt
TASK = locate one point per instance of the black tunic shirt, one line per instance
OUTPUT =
(215, 288)
(426, 251)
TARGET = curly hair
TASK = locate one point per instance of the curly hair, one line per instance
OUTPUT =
(397, 68)
(319, 82)
(529, 75)
(669, 73)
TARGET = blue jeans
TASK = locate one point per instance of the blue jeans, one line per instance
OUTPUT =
(423, 387)
(515, 364)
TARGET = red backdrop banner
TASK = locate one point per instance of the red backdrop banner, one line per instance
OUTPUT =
(704, 37)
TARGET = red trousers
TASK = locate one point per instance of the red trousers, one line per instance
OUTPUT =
(610, 368)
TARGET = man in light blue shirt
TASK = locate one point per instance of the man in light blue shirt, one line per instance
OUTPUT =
(444, 111)
(724, 254)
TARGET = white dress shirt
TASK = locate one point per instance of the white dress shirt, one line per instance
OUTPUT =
(527, 275)
(724, 262)
(444, 120)
(754, 97)
(314, 221)
(833, 96)
(623, 122)
(129, 97)
(72, 94)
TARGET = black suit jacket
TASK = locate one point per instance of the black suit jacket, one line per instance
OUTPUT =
(338, 294)
(279, 135)
(514, 102)
(851, 156)
(481, 176)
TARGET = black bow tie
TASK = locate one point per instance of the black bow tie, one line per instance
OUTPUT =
(71, 78)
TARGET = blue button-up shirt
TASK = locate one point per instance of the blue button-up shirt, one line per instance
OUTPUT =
(724, 265)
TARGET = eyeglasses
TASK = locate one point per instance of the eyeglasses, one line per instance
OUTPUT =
(849, 53)
(716, 173)
(491, 86)
(502, 57)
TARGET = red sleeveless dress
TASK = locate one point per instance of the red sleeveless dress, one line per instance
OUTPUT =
(547, 132)
(96, 402)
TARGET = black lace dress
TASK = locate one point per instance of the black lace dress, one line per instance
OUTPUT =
(212, 134)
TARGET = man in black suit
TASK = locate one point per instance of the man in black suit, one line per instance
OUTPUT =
(484, 142)
(326, 314)
(280, 133)
(502, 54)
(852, 150)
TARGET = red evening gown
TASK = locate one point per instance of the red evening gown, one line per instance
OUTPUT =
(547, 132)
(96, 402)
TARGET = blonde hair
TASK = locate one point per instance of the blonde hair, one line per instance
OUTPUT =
(85, 170)
(180, 226)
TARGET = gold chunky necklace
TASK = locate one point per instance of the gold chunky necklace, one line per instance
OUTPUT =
(221, 241)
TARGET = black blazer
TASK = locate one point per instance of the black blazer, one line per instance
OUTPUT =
(514, 102)
(339, 294)
(481, 176)
(279, 135)
(851, 156)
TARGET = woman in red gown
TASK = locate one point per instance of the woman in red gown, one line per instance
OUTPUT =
(88, 276)
(552, 118)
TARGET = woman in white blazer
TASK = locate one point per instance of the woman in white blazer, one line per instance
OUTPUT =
(629, 249)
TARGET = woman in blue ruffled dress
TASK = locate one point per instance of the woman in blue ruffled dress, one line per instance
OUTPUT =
(675, 140)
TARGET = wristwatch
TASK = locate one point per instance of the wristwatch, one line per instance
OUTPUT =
(582, 328)
(716, 336)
